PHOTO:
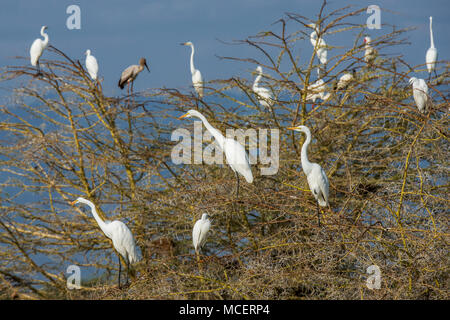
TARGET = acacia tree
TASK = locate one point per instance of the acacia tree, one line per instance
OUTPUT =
(387, 163)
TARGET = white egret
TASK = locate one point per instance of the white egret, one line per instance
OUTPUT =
(129, 74)
(319, 45)
(37, 48)
(91, 65)
(197, 80)
(263, 94)
(200, 232)
(420, 93)
(370, 52)
(317, 178)
(317, 90)
(432, 53)
(118, 232)
(234, 151)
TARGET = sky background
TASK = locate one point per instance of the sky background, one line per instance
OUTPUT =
(120, 32)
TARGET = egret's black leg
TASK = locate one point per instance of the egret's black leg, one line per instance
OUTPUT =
(435, 74)
(318, 214)
(120, 269)
(128, 270)
(237, 185)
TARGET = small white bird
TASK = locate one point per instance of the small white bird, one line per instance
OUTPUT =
(118, 232)
(234, 151)
(37, 48)
(129, 74)
(200, 232)
(263, 94)
(317, 90)
(432, 54)
(345, 80)
(370, 52)
(420, 93)
(319, 45)
(317, 178)
(91, 65)
(197, 80)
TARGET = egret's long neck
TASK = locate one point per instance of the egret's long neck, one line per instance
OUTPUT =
(216, 133)
(306, 165)
(431, 33)
(257, 79)
(45, 37)
(100, 222)
(313, 37)
(192, 59)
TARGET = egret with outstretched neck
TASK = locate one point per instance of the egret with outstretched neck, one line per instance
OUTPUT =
(432, 54)
(263, 94)
(118, 232)
(234, 151)
(197, 80)
(316, 176)
(37, 48)
(319, 45)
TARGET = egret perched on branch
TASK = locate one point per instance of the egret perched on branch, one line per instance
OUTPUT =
(234, 151)
(91, 65)
(197, 80)
(263, 94)
(420, 93)
(118, 232)
(370, 53)
(319, 45)
(37, 48)
(431, 55)
(317, 178)
(317, 90)
(129, 74)
(200, 232)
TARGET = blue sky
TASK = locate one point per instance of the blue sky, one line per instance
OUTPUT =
(119, 32)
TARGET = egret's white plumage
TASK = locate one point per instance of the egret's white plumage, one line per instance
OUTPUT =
(37, 48)
(370, 52)
(263, 94)
(234, 151)
(118, 232)
(420, 93)
(129, 74)
(197, 80)
(319, 44)
(432, 54)
(91, 65)
(316, 176)
(200, 232)
(345, 80)
(317, 90)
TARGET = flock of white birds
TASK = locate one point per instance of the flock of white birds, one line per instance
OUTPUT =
(235, 153)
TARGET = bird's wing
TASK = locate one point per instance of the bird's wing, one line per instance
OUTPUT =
(204, 232)
(36, 51)
(92, 66)
(196, 234)
(237, 158)
(324, 184)
(127, 74)
(123, 240)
